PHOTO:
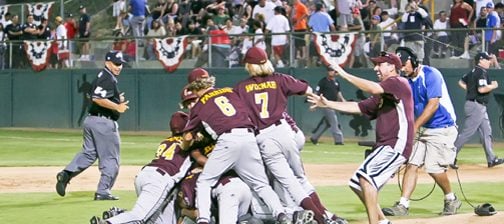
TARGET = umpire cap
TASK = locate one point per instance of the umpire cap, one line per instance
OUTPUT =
(482, 55)
(178, 122)
(115, 57)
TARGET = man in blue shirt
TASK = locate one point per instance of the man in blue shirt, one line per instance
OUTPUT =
(320, 21)
(137, 8)
(491, 35)
(435, 133)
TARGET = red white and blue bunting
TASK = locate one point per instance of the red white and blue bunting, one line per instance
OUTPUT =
(39, 10)
(38, 53)
(335, 47)
(170, 51)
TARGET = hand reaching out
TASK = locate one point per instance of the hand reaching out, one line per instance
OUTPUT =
(317, 101)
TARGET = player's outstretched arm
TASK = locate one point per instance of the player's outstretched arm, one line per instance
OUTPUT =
(322, 102)
(363, 84)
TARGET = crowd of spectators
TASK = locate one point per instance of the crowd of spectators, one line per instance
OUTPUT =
(242, 24)
(263, 23)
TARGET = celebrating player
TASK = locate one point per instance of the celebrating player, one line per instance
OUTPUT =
(392, 107)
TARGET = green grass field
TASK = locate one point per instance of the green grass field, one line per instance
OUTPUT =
(57, 148)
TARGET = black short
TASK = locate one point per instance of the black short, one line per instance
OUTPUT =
(81, 35)
(299, 38)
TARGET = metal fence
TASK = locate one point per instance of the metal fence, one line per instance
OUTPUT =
(437, 50)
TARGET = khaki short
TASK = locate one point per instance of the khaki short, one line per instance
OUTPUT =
(435, 149)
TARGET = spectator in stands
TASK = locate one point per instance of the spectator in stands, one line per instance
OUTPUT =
(171, 31)
(117, 7)
(61, 38)
(491, 36)
(459, 18)
(299, 24)
(344, 12)
(266, 8)
(441, 43)
(172, 9)
(30, 31)
(137, 9)
(413, 19)
(184, 13)
(6, 20)
(358, 58)
(195, 46)
(259, 40)
(71, 28)
(220, 46)
(221, 16)
(388, 24)
(278, 24)
(44, 30)
(319, 21)
(159, 10)
(14, 33)
(157, 31)
(367, 13)
(84, 32)
(375, 38)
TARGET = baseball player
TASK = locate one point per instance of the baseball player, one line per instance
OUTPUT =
(478, 85)
(265, 96)
(392, 106)
(158, 178)
(101, 132)
(436, 132)
(220, 112)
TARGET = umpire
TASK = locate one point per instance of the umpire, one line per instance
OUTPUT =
(101, 133)
(329, 87)
(478, 85)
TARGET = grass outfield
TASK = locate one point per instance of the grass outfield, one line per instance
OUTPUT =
(77, 208)
(57, 148)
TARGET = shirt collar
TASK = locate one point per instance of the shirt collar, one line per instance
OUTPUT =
(111, 74)
(477, 66)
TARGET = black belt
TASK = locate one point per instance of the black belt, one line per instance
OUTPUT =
(475, 100)
(101, 115)
(159, 170)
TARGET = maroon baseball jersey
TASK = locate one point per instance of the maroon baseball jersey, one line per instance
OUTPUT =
(393, 111)
(266, 97)
(188, 189)
(170, 157)
(218, 111)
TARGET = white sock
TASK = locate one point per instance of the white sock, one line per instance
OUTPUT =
(450, 196)
(404, 201)
(384, 221)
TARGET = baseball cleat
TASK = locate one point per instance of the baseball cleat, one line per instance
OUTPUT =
(112, 212)
(62, 181)
(302, 217)
(96, 220)
(101, 197)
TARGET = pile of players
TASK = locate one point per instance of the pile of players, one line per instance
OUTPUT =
(234, 158)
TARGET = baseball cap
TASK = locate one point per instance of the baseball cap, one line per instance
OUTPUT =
(390, 58)
(186, 95)
(405, 53)
(58, 19)
(482, 55)
(178, 122)
(490, 5)
(197, 73)
(115, 57)
(255, 55)
(82, 7)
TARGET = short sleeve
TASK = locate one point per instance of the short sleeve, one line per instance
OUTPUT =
(433, 84)
(104, 88)
(391, 87)
(293, 86)
(369, 107)
(482, 78)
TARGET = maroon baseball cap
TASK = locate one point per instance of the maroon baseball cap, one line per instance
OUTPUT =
(390, 58)
(256, 56)
(197, 73)
(186, 95)
(178, 122)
